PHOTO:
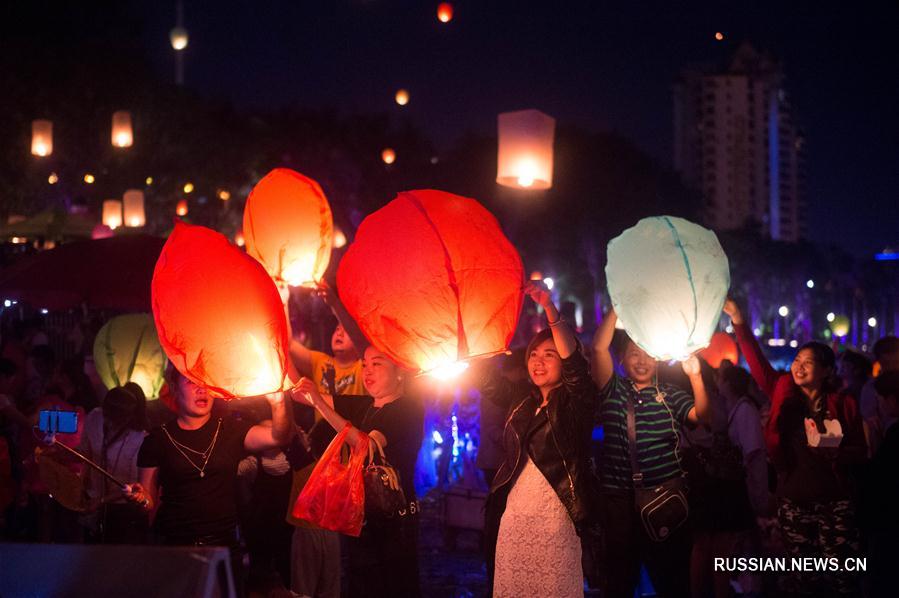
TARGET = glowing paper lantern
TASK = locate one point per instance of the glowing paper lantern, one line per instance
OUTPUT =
(840, 325)
(721, 347)
(525, 158)
(42, 138)
(127, 349)
(432, 280)
(181, 207)
(112, 213)
(219, 317)
(288, 227)
(402, 97)
(444, 12)
(668, 279)
(178, 37)
(133, 202)
(388, 155)
(122, 135)
(339, 239)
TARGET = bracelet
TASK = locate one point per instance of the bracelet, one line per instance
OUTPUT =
(556, 323)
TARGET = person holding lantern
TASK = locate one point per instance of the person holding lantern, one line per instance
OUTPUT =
(383, 560)
(315, 552)
(815, 513)
(188, 467)
(543, 494)
(659, 410)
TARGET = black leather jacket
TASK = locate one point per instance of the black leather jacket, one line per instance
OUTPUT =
(557, 439)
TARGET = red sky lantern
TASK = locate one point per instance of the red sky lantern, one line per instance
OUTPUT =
(721, 347)
(432, 280)
(219, 317)
(444, 12)
(181, 208)
(288, 227)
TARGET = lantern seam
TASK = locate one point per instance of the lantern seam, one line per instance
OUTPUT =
(680, 247)
(461, 340)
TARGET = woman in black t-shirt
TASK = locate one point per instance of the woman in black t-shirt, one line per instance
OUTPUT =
(383, 560)
(193, 461)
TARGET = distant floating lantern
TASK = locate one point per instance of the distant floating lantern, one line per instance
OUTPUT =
(181, 208)
(721, 347)
(288, 227)
(127, 349)
(839, 325)
(536, 275)
(149, 181)
(112, 213)
(224, 194)
(668, 279)
(178, 38)
(402, 97)
(444, 12)
(388, 155)
(432, 281)
(42, 138)
(122, 135)
(188, 187)
(525, 153)
(238, 239)
(53, 178)
(339, 239)
(89, 178)
(719, 36)
(133, 204)
(219, 317)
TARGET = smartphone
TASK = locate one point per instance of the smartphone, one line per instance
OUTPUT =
(61, 422)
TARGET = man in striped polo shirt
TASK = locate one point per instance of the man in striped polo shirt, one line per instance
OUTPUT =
(660, 410)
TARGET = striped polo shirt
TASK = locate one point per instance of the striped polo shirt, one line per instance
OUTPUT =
(656, 436)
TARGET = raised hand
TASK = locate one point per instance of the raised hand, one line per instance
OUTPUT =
(691, 366)
(733, 310)
(539, 294)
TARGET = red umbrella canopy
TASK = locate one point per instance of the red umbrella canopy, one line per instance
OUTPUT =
(432, 280)
(112, 273)
(219, 315)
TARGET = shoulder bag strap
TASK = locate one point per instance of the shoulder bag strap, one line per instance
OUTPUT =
(637, 477)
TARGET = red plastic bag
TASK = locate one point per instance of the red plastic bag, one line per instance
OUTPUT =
(334, 496)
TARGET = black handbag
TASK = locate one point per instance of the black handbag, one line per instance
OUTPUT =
(662, 509)
(384, 497)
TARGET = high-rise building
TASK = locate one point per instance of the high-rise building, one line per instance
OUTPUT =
(737, 143)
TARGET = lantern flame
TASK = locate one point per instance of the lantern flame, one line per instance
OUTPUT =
(449, 371)
(267, 367)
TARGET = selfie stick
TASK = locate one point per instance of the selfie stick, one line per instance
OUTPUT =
(108, 475)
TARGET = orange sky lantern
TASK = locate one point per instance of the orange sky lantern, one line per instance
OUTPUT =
(122, 134)
(219, 317)
(432, 281)
(41, 137)
(181, 208)
(721, 347)
(133, 207)
(288, 227)
(388, 155)
(112, 213)
(444, 12)
(525, 150)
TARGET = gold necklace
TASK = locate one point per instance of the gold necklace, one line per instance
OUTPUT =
(205, 454)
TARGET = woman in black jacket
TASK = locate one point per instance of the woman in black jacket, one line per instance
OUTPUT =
(542, 494)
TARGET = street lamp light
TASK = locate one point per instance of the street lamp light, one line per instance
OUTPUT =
(784, 311)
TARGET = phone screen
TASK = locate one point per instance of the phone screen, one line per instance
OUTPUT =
(62, 422)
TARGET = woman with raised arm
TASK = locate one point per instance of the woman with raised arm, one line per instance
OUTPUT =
(188, 467)
(816, 516)
(543, 494)
(383, 560)
(660, 411)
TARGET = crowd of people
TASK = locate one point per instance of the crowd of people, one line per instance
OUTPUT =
(697, 466)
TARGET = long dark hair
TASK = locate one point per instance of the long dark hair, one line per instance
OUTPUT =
(795, 408)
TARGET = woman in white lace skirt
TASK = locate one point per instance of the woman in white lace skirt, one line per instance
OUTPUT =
(543, 497)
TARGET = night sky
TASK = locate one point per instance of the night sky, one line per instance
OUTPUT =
(599, 65)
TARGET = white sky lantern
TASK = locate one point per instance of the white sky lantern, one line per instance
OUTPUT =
(42, 138)
(668, 279)
(178, 37)
(133, 202)
(525, 158)
(122, 135)
(112, 213)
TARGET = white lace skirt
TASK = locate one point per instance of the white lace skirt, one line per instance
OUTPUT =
(538, 552)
